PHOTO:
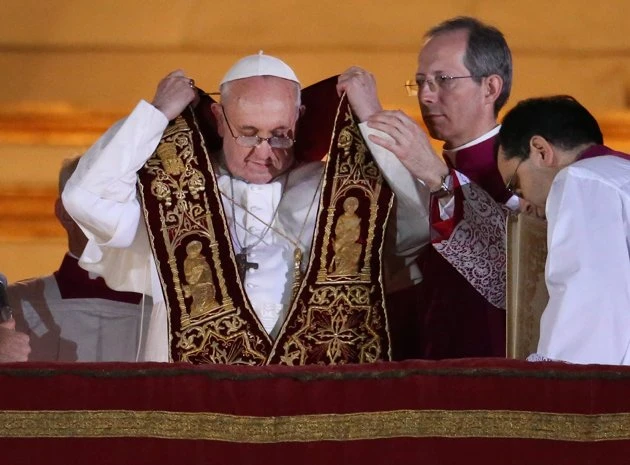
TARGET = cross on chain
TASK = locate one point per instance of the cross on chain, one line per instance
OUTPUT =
(243, 265)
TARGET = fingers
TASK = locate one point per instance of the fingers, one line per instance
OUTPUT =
(14, 346)
(176, 73)
(354, 76)
(9, 324)
(360, 87)
(386, 142)
(179, 76)
(396, 124)
(175, 91)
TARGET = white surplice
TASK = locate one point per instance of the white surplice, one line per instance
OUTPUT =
(587, 319)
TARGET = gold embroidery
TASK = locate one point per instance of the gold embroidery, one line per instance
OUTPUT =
(170, 161)
(340, 317)
(223, 338)
(210, 329)
(358, 175)
(347, 233)
(297, 272)
(199, 279)
(337, 315)
(360, 426)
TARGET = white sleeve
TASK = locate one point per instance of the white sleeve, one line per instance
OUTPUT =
(412, 197)
(101, 194)
(587, 319)
(101, 197)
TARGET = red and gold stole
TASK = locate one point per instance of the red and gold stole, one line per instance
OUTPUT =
(337, 314)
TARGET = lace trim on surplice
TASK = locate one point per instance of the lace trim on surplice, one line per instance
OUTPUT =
(477, 246)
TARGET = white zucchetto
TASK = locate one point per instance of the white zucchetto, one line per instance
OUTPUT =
(259, 65)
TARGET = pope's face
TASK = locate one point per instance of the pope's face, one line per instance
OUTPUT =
(261, 106)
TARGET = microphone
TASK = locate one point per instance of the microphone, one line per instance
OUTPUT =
(6, 312)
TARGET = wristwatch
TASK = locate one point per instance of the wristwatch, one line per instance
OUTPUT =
(444, 189)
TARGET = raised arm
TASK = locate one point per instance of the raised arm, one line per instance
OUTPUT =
(101, 194)
(412, 197)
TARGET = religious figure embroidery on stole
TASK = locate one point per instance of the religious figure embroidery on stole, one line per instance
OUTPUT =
(170, 161)
(346, 244)
(199, 281)
(340, 317)
(209, 328)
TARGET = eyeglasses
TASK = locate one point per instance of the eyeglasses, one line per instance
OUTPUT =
(441, 82)
(510, 184)
(276, 142)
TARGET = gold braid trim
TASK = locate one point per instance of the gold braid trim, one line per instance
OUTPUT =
(309, 428)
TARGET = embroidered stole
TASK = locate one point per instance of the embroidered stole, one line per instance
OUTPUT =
(338, 313)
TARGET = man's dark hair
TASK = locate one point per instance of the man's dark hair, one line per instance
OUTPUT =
(560, 119)
(487, 52)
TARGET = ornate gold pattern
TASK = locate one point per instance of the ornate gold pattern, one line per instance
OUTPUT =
(347, 249)
(338, 325)
(339, 316)
(355, 173)
(199, 281)
(209, 328)
(312, 428)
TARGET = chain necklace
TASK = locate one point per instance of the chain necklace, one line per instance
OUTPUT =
(242, 262)
(297, 252)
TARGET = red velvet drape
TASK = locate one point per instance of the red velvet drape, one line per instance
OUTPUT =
(460, 411)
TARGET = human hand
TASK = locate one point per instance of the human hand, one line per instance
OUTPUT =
(14, 346)
(409, 143)
(360, 87)
(174, 93)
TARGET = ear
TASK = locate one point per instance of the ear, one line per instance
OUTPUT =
(541, 152)
(218, 116)
(62, 215)
(493, 87)
(301, 110)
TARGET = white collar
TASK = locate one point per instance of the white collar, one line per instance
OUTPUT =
(493, 132)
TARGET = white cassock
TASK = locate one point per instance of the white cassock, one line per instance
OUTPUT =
(101, 197)
(587, 319)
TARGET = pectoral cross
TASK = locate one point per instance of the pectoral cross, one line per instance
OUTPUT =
(243, 265)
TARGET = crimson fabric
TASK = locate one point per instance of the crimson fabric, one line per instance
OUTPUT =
(599, 151)
(586, 394)
(478, 163)
(441, 230)
(317, 120)
(75, 283)
(457, 321)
